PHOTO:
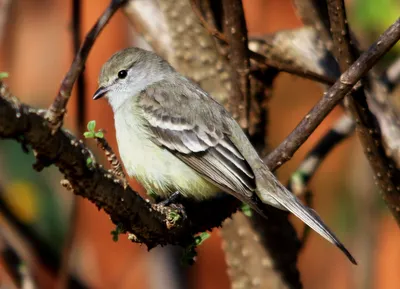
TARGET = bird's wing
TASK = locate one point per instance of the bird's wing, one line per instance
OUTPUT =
(185, 122)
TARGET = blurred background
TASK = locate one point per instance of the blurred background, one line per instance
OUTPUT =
(37, 49)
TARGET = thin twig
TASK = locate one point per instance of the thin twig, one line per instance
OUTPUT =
(112, 158)
(80, 84)
(236, 30)
(57, 110)
(342, 129)
(332, 97)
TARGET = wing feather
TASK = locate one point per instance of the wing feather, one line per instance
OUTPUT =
(197, 136)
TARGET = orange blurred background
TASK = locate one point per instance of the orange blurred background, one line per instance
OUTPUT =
(37, 52)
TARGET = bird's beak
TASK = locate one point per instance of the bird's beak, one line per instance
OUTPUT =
(100, 92)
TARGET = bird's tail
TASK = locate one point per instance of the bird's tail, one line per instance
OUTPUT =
(284, 198)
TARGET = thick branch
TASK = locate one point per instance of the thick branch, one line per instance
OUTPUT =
(314, 13)
(333, 96)
(56, 111)
(150, 225)
(236, 30)
(301, 48)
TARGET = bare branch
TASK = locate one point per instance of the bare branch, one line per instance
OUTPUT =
(300, 48)
(56, 111)
(314, 13)
(259, 254)
(369, 132)
(236, 30)
(333, 96)
(112, 158)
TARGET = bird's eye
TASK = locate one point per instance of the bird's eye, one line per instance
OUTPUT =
(122, 74)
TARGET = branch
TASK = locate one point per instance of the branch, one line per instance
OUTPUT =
(80, 91)
(301, 48)
(57, 110)
(342, 129)
(332, 97)
(235, 27)
(161, 25)
(314, 13)
(369, 132)
(261, 59)
(151, 224)
(260, 253)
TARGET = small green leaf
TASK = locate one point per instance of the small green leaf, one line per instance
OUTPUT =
(99, 134)
(3, 75)
(88, 134)
(91, 125)
(115, 233)
(246, 210)
(201, 238)
(189, 253)
(89, 161)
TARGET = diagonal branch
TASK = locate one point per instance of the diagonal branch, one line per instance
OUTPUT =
(333, 96)
(57, 110)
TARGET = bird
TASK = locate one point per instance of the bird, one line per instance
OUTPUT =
(174, 137)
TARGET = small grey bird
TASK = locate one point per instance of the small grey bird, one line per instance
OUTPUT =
(173, 136)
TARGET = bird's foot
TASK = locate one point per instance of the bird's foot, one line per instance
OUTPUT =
(171, 199)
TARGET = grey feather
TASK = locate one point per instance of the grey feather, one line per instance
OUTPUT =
(183, 119)
(201, 142)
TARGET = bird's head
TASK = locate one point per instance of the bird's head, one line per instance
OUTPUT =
(127, 73)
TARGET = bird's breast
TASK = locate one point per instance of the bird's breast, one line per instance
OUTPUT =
(156, 168)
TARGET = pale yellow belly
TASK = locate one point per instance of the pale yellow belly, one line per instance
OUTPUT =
(157, 169)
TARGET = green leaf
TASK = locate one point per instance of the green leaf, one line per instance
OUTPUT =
(99, 134)
(246, 210)
(3, 75)
(91, 125)
(89, 161)
(115, 233)
(201, 238)
(88, 134)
